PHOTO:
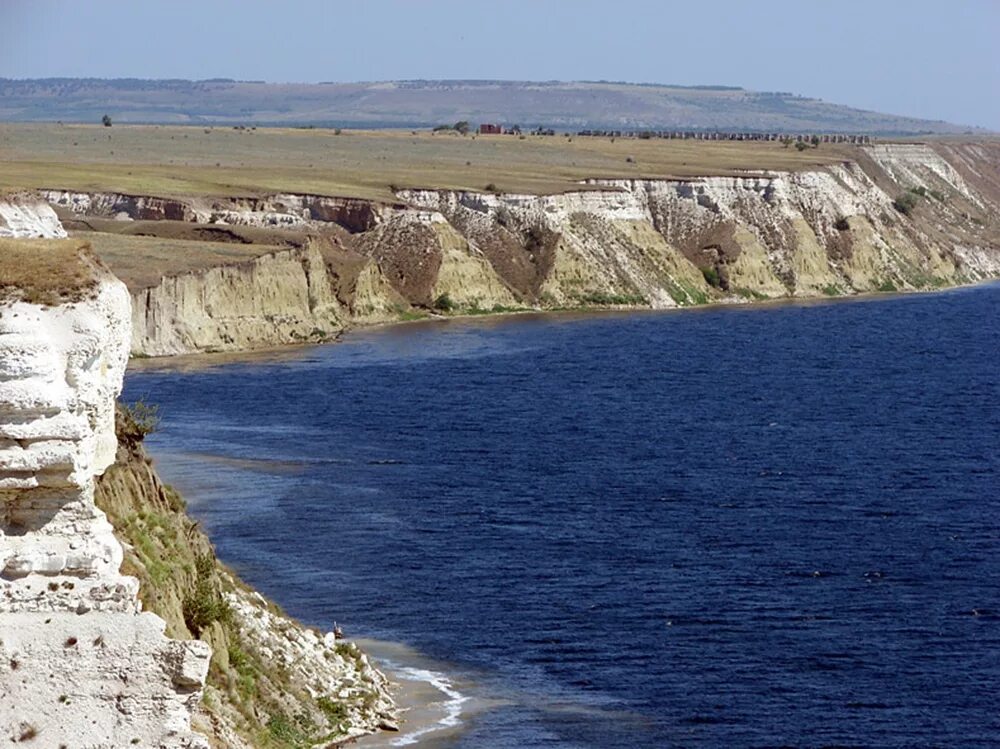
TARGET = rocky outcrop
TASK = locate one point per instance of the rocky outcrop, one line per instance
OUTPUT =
(428, 261)
(114, 611)
(838, 230)
(82, 664)
(28, 215)
(272, 682)
(897, 217)
(277, 298)
(289, 211)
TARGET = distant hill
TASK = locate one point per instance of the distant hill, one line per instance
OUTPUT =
(560, 105)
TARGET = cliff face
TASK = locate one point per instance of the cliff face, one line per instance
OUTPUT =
(113, 607)
(28, 215)
(900, 218)
(81, 664)
(897, 217)
(276, 298)
(281, 210)
(272, 682)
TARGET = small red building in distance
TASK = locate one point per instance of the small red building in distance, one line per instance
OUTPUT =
(488, 128)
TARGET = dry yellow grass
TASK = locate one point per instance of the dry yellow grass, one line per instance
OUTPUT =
(187, 161)
(142, 261)
(47, 271)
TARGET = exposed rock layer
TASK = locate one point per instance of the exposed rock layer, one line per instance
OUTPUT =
(81, 664)
(276, 298)
(898, 217)
(113, 607)
(272, 682)
(28, 215)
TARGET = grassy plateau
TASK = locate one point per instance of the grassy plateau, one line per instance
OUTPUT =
(175, 161)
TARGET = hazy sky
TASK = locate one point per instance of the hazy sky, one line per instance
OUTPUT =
(928, 58)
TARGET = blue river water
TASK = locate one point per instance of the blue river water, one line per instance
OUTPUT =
(730, 527)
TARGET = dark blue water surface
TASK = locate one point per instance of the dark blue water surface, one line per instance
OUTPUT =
(721, 528)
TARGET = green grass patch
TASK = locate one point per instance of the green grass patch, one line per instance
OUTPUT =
(750, 294)
(605, 299)
(410, 315)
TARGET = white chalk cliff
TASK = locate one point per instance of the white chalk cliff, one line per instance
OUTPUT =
(80, 664)
(827, 231)
(28, 215)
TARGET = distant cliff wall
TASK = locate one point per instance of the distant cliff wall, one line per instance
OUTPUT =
(898, 217)
(282, 297)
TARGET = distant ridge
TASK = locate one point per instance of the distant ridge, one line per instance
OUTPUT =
(421, 103)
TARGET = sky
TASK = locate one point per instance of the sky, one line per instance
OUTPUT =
(937, 59)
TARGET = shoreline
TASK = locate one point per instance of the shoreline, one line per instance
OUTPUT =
(434, 703)
(201, 360)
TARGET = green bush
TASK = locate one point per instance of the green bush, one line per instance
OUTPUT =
(335, 712)
(204, 605)
(444, 303)
(282, 729)
(137, 420)
(906, 203)
(712, 277)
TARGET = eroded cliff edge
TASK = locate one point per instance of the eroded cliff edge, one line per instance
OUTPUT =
(114, 610)
(82, 664)
(896, 217)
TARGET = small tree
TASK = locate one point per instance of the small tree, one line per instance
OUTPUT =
(801, 145)
(106, 120)
(462, 126)
(815, 141)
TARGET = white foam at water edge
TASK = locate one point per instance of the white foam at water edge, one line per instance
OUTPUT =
(453, 706)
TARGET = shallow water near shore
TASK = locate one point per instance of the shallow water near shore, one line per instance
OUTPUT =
(736, 527)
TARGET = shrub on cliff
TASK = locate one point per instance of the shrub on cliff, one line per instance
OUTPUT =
(133, 421)
(444, 303)
(906, 202)
(204, 605)
(712, 277)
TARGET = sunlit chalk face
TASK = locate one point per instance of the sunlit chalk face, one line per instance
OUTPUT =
(61, 369)
(56, 404)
